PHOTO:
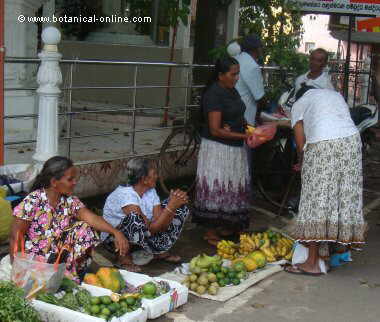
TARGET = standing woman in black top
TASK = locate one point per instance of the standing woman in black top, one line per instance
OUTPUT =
(223, 179)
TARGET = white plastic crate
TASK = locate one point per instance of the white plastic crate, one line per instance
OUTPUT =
(50, 312)
(177, 296)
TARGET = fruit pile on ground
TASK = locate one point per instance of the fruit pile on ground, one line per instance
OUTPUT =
(209, 279)
(227, 249)
(106, 277)
(273, 245)
(79, 299)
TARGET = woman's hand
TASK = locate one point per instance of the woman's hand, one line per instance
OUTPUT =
(121, 243)
(98, 223)
(227, 127)
(18, 230)
(177, 198)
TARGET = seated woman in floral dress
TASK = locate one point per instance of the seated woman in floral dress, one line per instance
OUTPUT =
(136, 210)
(50, 217)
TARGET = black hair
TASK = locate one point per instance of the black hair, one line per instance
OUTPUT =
(55, 168)
(222, 66)
(322, 51)
(138, 169)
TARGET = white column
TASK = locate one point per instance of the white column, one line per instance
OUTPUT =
(49, 78)
(233, 20)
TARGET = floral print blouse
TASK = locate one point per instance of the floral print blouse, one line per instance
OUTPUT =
(46, 223)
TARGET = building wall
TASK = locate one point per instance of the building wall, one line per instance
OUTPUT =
(317, 33)
(117, 75)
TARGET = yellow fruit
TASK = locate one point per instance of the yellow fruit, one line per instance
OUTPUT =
(92, 279)
(258, 257)
(269, 255)
(249, 130)
(250, 264)
(266, 243)
(289, 256)
(110, 278)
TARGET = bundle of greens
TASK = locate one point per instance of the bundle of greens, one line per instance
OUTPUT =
(13, 306)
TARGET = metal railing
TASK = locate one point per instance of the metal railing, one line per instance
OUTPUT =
(68, 90)
(133, 110)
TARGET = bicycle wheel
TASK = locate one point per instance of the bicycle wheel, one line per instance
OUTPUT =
(273, 169)
(178, 160)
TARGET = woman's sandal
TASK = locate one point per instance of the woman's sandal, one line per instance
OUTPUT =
(297, 271)
(128, 267)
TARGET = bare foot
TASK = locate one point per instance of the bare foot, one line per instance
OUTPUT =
(167, 257)
(305, 267)
(125, 262)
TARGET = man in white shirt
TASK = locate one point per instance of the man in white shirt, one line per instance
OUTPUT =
(316, 76)
(250, 84)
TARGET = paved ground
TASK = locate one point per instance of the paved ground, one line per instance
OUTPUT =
(99, 148)
(348, 294)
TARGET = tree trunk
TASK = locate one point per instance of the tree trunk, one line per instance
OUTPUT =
(167, 100)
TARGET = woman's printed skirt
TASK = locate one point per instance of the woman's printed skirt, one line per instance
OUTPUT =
(135, 230)
(332, 198)
(223, 186)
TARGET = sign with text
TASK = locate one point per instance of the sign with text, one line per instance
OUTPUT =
(357, 7)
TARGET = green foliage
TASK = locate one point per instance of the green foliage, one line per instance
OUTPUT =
(13, 306)
(141, 8)
(279, 24)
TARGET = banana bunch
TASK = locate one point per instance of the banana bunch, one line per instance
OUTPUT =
(274, 245)
(247, 244)
(227, 249)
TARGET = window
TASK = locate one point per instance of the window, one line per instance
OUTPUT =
(309, 46)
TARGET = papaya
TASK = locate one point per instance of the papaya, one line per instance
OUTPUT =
(92, 279)
(250, 264)
(111, 279)
(259, 258)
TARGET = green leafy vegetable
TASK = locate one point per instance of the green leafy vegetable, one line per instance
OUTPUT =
(13, 306)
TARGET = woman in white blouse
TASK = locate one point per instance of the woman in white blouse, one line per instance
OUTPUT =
(136, 209)
(329, 149)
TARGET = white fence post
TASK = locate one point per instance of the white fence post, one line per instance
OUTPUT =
(49, 78)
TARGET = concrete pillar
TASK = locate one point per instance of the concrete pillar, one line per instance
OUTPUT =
(49, 78)
(233, 20)
(20, 41)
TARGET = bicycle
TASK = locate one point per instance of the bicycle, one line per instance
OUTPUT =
(179, 152)
(273, 170)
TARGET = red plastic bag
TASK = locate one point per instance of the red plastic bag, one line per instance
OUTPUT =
(262, 134)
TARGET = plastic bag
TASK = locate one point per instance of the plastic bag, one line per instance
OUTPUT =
(300, 255)
(262, 134)
(33, 275)
(5, 268)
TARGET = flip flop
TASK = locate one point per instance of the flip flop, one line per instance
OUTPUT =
(298, 271)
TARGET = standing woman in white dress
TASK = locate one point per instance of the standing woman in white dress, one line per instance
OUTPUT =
(330, 155)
